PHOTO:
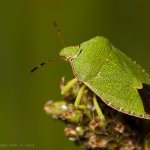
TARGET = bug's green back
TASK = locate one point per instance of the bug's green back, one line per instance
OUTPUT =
(111, 75)
(87, 64)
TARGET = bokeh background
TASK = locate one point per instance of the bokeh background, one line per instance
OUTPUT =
(28, 38)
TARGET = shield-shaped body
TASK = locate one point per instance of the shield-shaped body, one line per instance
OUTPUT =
(110, 74)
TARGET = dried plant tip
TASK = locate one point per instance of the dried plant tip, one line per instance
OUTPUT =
(119, 127)
(72, 116)
(74, 132)
(70, 132)
(97, 142)
(96, 123)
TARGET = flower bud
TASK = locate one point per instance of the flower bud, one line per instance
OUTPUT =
(55, 109)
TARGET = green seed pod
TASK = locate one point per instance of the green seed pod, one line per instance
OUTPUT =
(80, 130)
(55, 109)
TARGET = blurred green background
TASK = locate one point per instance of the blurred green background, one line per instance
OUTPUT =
(28, 38)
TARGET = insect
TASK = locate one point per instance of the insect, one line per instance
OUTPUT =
(110, 74)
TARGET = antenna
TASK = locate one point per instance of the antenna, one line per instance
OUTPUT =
(60, 37)
(44, 63)
(59, 34)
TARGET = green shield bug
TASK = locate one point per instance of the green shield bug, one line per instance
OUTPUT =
(110, 74)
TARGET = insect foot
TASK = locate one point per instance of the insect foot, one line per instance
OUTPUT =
(92, 124)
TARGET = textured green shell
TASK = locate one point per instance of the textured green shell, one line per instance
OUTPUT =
(110, 74)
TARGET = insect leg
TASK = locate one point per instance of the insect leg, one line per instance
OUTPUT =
(69, 86)
(98, 109)
(85, 111)
(79, 96)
